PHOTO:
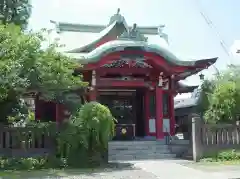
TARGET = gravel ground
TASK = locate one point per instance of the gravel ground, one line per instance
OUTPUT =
(121, 171)
(134, 174)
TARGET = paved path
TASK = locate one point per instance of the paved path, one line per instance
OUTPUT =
(228, 171)
(175, 169)
(162, 169)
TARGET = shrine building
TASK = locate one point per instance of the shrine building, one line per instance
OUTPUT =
(136, 79)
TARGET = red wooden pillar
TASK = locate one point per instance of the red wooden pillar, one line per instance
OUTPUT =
(159, 113)
(147, 111)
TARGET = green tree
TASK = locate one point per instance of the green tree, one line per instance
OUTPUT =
(26, 66)
(220, 97)
(87, 134)
(16, 12)
(223, 103)
(203, 101)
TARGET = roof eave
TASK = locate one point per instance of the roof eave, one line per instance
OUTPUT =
(199, 66)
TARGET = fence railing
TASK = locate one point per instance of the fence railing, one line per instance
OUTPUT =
(220, 135)
(27, 141)
(207, 138)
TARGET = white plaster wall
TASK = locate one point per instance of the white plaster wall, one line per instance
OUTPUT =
(166, 125)
(152, 125)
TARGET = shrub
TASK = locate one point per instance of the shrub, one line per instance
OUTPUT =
(225, 155)
(30, 163)
(98, 121)
(81, 141)
(84, 139)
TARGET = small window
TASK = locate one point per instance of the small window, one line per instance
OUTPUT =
(165, 104)
(152, 106)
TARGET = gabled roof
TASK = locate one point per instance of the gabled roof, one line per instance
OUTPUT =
(183, 88)
(117, 37)
(115, 28)
(110, 32)
(185, 103)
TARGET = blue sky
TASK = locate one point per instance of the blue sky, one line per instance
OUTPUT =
(189, 35)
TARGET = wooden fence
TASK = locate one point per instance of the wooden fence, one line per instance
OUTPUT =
(208, 138)
(25, 142)
(220, 136)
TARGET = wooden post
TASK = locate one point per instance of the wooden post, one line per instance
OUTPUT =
(171, 98)
(159, 113)
(196, 137)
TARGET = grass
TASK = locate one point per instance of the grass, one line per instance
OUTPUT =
(230, 162)
(44, 173)
(219, 166)
(40, 173)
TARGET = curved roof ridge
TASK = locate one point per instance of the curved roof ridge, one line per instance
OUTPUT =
(120, 45)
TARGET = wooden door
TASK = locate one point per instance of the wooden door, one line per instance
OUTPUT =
(122, 107)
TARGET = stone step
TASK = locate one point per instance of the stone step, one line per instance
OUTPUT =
(139, 143)
(141, 157)
(144, 146)
(132, 152)
(122, 148)
(138, 150)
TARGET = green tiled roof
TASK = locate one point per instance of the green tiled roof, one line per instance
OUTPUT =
(120, 45)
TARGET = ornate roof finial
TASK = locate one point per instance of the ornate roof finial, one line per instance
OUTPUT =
(134, 26)
(118, 10)
(133, 34)
(116, 17)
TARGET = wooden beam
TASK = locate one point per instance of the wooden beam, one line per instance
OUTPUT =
(123, 71)
(95, 28)
(120, 83)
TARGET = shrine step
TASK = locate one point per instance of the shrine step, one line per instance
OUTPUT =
(138, 150)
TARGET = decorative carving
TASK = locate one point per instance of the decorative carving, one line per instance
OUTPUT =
(126, 78)
(133, 34)
(160, 81)
(137, 63)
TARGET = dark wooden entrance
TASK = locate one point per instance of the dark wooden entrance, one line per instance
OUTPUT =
(126, 107)
(122, 107)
